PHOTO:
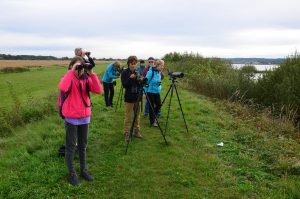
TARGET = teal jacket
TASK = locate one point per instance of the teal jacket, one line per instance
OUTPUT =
(154, 81)
(141, 69)
(110, 74)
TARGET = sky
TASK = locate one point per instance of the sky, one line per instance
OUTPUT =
(119, 28)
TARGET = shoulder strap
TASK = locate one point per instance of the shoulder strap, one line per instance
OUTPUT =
(88, 90)
(151, 76)
(81, 93)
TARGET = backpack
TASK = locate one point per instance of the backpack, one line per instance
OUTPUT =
(62, 96)
(62, 150)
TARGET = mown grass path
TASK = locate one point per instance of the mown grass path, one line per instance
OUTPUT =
(191, 166)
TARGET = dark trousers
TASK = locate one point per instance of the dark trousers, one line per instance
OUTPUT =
(81, 132)
(155, 102)
(108, 93)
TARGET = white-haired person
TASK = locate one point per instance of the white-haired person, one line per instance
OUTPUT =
(86, 56)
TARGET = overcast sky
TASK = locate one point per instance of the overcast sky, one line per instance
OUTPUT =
(119, 28)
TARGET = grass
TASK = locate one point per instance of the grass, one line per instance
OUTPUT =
(254, 162)
(37, 83)
(30, 96)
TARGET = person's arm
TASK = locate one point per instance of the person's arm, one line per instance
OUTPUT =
(145, 71)
(65, 83)
(126, 80)
(94, 84)
(149, 76)
(162, 74)
(91, 61)
(111, 73)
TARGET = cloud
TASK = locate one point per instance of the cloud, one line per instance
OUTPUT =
(119, 28)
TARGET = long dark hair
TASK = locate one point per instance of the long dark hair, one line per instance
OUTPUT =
(74, 60)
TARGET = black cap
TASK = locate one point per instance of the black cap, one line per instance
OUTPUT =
(150, 58)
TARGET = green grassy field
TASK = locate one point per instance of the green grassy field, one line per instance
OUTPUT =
(254, 162)
(38, 82)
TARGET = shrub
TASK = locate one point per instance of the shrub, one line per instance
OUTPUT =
(33, 110)
(278, 88)
(13, 69)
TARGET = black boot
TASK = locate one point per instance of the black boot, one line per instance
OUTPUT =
(85, 175)
(73, 180)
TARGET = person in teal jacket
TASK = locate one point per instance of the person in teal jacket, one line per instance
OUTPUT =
(111, 73)
(140, 69)
(151, 61)
(153, 91)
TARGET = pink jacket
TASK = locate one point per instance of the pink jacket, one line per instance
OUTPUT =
(74, 106)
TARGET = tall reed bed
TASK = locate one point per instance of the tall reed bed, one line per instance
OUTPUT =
(278, 89)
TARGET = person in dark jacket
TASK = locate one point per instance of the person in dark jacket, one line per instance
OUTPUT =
(131, 95)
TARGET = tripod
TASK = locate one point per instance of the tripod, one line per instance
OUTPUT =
(172, 87)
(120, 97)
(141, 91)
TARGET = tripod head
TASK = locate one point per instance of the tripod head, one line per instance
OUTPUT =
(175, 75)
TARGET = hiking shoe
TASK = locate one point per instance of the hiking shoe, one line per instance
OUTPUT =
(73, 180)
(137, 134)
(85, 175)
(155, 124)
(126, 136)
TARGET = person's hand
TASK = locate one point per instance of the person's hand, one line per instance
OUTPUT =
(78, 73)
(90, 71)
(132, 76)
(87, 53)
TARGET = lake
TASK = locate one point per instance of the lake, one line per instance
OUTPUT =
(259, 67)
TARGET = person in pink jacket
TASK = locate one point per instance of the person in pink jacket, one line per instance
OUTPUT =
(76, 110)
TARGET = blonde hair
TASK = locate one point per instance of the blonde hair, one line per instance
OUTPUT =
(78, 51)
(117, 64)
(159, 62)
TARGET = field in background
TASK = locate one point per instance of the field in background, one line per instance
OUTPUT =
(32, 63)
(37, 83)
(36, 63)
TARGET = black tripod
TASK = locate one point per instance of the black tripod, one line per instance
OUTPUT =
(172, 87)
(120, 97)
(141, 91)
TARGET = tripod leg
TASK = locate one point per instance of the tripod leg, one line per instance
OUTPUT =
(136, 105)
(118, 100)
(152, 109)
(166, 95)
(122, 92)
(181, 108)
(168, 115)
(142, 104)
